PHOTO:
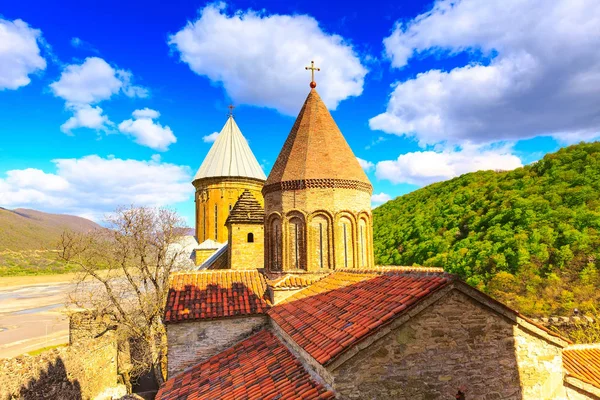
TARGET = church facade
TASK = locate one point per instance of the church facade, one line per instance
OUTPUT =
(293, 307)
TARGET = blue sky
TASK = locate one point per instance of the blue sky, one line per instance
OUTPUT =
(109, 103)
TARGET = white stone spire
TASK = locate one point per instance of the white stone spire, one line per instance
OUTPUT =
(230, 155)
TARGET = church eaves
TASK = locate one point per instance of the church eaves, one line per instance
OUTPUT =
(316, 149)
(230, 156)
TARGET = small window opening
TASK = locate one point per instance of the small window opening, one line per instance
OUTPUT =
(251, 237)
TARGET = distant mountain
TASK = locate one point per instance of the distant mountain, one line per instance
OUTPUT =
(24, 229)
(530, 237)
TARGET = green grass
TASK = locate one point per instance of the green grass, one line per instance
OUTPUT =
(31, 263)
(43, 349)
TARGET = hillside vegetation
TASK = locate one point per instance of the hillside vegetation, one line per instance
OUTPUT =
(29, 238)
(23, 229)
(529, 237)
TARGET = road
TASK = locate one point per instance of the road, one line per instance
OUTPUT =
(32, 316)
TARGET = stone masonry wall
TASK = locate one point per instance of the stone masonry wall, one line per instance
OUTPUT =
(540, 366)
(454, 343)
(331, 205)
(573, 393)
(194, 341)
(580, 391)
(221, 193)
(80, 371)
(242, 254)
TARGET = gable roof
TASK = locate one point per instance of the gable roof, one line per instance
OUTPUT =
(316, 149)
(247, 210)
(216, 294)
(338, 311)
(230, 155)
(583, 362)
(217, 260)
(260, 367)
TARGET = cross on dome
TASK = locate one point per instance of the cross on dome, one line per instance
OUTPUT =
(312, 69)
(231, 107)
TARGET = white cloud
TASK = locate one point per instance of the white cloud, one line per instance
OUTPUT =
(83, 45)
(92, 186)
(535, 70)
(148, 132)
(380, 198)
(19, 53)
(365, 165)
(260, 58)
(93, 81)
(425, 167)
(86, 116)
(210, 138)
(146, 113)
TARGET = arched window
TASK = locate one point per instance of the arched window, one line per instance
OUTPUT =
(319, 242)
(250, 237)
(275, 244)
(345, 243)
(362, 242)
(297, 244)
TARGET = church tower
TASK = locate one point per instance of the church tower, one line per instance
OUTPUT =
(317, 199)
(228, 170)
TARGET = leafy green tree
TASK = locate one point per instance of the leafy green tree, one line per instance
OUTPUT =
(539, 224)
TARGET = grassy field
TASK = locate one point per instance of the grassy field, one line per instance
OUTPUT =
(32, 263)
(43, 349)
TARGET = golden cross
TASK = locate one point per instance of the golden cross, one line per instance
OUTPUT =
(312, 69)
(231, 107)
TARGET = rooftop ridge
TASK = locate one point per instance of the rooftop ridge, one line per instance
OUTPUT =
(384, 270)
(582, 346)
(212, 271)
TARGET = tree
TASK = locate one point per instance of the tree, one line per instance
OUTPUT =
(539, 224)
(125, 271)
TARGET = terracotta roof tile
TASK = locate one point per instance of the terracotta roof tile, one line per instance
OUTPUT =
(583, 363)
(216, 294)
(260, 367)
(340, 310)
(294, 281)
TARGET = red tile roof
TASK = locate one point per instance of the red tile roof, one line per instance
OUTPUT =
(340, 310)
(260, 367)
(583, 363)
(216, 294)
(294, 281)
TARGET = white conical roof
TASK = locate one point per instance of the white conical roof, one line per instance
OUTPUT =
(230, 155)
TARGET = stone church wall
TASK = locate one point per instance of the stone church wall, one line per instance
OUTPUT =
(454, 343)
(87, 369)
(215, 197)
(334, 208)
(578, 390)
(194, 341)
(244, 254)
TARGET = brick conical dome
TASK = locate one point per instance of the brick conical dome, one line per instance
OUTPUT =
(316, 149)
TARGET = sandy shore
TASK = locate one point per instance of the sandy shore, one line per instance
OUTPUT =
(8, 281)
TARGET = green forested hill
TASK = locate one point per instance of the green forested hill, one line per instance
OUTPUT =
(530, 237)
